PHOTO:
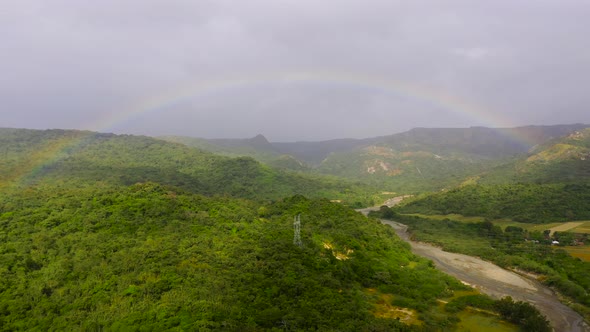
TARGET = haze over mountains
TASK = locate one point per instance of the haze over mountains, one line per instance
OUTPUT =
(476, 140)
(419, 159)
(293, 70)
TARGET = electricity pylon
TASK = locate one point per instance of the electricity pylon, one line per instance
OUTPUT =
(297, 228)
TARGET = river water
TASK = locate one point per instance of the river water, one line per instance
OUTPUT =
(496, 281)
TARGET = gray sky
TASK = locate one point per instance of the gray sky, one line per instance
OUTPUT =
(292, 69)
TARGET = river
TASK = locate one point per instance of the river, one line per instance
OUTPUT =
(496, 281)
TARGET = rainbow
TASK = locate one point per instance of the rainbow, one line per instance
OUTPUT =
(421, 93)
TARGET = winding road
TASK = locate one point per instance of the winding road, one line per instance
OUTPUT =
(495, 281)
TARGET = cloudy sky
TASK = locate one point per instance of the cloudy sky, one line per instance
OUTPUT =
(292, 69)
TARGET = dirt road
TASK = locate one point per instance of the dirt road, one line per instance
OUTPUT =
(496, 282)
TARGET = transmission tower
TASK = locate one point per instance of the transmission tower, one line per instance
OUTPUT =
(297, 228)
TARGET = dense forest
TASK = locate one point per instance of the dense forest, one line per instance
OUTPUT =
(532, 203)
(76, 157)
(152, 257)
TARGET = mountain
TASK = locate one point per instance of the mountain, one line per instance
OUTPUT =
(33, 157)
(256, 147)
(481, 141)
(550, 183)
(561, 160)
(422, 159)
(315, 153)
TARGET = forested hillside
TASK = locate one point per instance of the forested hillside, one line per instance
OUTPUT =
(560, 160)
(76, 157)
(116, 232)
(531, 203)
(552, 183)
(150, 257)
(421, 159)
(430, 159)
(406, 172)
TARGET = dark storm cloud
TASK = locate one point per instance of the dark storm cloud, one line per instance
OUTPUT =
(78, 64)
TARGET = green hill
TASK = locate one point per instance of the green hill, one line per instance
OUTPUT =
(551, 183)
(406, 171)
(561, 160)
(84, 158)
(149, 257)
(257, 147)
(533, 203)
(430, 159)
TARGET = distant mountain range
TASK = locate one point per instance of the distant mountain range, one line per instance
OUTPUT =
(564, 159)
(418, 160)
(421, 159)
(483, 141)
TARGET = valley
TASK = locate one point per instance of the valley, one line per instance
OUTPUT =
(72, 201)
(493, 280)
(497, 282)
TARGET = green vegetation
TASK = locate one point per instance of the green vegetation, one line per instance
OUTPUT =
(257, 147)
(406, 171)
(521, 313)
(75, 157)
(513, 247)
(118, 232)
(431, 159)
(155, 258)
(581, 252)
(422, 159)
(560, 160)
(531, 203)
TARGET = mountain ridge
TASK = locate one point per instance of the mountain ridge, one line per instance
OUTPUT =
(513, 140)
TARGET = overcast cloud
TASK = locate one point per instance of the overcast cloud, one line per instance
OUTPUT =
(366, 68)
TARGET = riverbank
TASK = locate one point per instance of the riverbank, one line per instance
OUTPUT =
(495, 281)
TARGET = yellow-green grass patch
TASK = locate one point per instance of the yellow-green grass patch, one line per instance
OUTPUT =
(582, 252)
(473, 319)
(456, 217)
(384, 309)
(481, 322)
(583, 228)
(566, 226)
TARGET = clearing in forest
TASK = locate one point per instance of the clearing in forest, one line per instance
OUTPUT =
(565, 226)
